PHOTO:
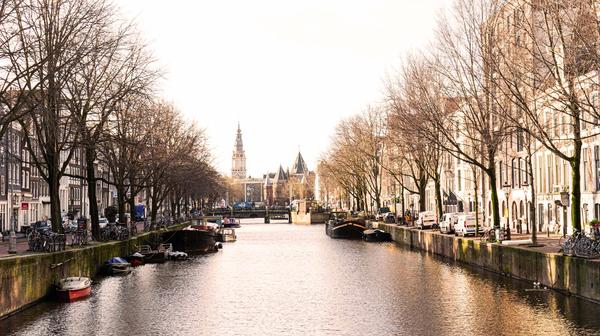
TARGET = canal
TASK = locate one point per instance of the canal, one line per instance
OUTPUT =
(281, 279)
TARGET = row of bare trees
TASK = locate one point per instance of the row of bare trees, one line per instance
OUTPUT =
(75, 76)
(495, 70)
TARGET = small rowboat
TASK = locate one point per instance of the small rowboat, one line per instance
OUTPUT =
(73, 288)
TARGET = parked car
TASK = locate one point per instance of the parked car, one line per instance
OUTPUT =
(427, 220)
(448, 222)
(103, 222)
(242, 206)
(465, 225)
(381, 213)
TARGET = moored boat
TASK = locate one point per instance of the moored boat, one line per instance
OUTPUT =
(117, 266)
(231, 223)
(226, 235)
(376, 235)
(152, 255)
(173, 255)
(73, 288)
(198, 238)
(136, 259)
(338, 226)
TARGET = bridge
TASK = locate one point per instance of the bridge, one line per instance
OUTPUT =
(266, 213)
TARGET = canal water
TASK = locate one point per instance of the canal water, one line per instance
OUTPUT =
(281, 279)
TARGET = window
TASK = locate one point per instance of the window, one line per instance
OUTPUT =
(501, 174)
(597, 210)
(526, 171)
(541, 217)
(519, 140)
(520, 171)
(594, 108)
(459, 182)
(513, 176)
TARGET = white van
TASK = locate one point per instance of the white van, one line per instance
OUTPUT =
(426, 220)
(466, 225)
(449, 221)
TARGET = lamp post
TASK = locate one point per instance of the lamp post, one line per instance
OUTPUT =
(506, 189)
(564, 200)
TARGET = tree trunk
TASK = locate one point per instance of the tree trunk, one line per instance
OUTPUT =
(476, 189)
(532, 204)
(403, 207)
(576, 193)
(90, 156)
(491, 172)
(121, 203)
(422, 200)
(55, 211)
(438, 197)
(154, 206)
(131, 202)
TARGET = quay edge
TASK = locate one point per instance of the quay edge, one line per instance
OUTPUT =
(570, 275)
(26, 279)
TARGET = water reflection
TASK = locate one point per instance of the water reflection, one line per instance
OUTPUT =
(287, 279)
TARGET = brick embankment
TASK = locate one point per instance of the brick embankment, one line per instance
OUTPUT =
(26, 279)
(572, 275)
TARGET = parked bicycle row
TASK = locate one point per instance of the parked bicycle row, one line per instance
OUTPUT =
(41, 238)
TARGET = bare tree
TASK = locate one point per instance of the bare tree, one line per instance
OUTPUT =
(545, 64)
(118, 66)
(59, 35)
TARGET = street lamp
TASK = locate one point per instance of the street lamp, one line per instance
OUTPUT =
(12, 241)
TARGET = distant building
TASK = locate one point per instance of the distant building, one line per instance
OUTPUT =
(238, 160)
(286, 186)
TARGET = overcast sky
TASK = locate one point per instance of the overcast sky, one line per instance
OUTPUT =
(287, 71)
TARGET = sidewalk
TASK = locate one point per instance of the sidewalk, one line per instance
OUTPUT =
(551, 244)
(22, 244)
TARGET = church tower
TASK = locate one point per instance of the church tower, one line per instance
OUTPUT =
(238, 161)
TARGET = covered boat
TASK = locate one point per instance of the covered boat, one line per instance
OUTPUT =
(117, 265)
(339, 226)
(73, 288)
(376, 235)
(173, 255)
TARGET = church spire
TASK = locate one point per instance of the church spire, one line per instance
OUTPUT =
(238, 160)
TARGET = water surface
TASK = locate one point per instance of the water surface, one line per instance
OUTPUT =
(281, 279)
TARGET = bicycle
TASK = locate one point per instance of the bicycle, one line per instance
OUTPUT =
(580, 245)
(133, 229)
(489, 235)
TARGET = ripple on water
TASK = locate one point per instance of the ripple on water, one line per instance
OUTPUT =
(293, 280)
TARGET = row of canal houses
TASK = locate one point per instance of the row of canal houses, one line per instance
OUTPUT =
(24, 194)
(551, 174)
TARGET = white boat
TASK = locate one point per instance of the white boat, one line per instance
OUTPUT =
(226, 235)
(73, 288)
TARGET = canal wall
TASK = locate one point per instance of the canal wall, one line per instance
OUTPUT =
(309, 218)
(26, 279)
(571, 275)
